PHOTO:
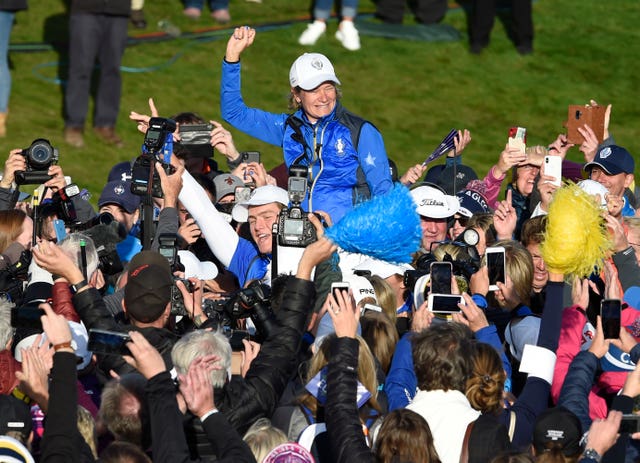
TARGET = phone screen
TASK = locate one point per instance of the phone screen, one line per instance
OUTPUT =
(610, 314)
(108, 342)
(441, 278)
(27, 316)
(443, 303)
(495, 266)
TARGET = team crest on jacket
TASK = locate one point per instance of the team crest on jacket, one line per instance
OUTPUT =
(339, 146)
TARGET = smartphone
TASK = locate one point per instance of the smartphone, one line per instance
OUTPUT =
(242, 194)
(610, 313)
(27, 316)
(518, 138)
(108, 342)
(553, 168)
(441, 277)
(496, 266)
(444, 303)
(250, 156)
(579, 115)
(59, 229)
(339, 286)
(370, 308)
(630, 423)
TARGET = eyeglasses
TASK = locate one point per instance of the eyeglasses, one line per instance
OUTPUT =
(463, 221)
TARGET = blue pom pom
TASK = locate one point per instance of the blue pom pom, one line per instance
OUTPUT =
(387, 227)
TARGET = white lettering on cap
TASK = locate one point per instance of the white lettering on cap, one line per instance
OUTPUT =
(555, 434)
(15, 424)
(431, 202)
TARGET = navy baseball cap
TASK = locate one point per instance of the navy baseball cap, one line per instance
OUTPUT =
(119, 192)
(613, 159)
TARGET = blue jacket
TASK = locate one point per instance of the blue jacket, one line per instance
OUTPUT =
(338, 170)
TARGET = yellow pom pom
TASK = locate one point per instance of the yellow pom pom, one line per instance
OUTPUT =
(576, 241)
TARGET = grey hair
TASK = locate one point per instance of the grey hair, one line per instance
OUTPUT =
(6, 330)
(199, 343)
(71, 246)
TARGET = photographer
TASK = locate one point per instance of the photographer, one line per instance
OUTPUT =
(257, 395)
(18, 162)
(146, 302)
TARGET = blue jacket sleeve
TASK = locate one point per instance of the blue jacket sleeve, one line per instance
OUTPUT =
(372, 156)
(574, 394)
(401, 383)
(489, 335)
(263, 125)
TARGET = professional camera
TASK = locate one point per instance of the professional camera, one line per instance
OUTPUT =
(61, 204)
(154, 140)
(465, 264)
(12, 278)
(140, 173)
(294, 227)
(253, 302)
(39, 156)
(157, 132)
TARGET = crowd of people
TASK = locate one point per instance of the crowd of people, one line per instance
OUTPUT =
(163, 328)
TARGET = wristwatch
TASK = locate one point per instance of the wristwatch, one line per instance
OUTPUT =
(590, 453)
(78, 286)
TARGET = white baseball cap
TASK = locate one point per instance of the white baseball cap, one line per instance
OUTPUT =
(382, 269)
(310, 70)
(259, 197)
(434, 203)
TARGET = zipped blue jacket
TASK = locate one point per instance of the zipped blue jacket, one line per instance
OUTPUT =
(344, 154)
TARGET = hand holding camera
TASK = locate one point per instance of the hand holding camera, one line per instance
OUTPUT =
(509, 157)
(15, 162)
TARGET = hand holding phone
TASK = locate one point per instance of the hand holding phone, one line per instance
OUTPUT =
(553, 168)
(496, 266)
(108, 342)
(340, 286)
(518, 138)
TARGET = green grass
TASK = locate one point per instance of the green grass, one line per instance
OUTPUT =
(414, 92)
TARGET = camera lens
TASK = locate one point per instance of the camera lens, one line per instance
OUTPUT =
(40, 155)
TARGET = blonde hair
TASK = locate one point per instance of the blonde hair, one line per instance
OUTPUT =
(87, 429)
(262, 437)
(381, 335)
(366, 372)
(519, 267)
(385, 295)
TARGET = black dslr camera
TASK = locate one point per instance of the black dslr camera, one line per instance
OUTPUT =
(39, 156)
(294, 227)
(144, 164)
(253, 302)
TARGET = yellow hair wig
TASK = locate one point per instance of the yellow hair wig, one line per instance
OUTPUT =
(576, 241)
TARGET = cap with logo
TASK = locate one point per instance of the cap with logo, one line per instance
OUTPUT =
(259, 197)
(472, 202)
(226, 185)
(433, 203)
(451, 178)
(559, 427)
(311, 70)
(613, 159)
(148, 288)
(119, 192)
(381, 268)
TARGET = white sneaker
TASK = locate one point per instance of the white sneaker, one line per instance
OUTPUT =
(312, 33)
(348, 35)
